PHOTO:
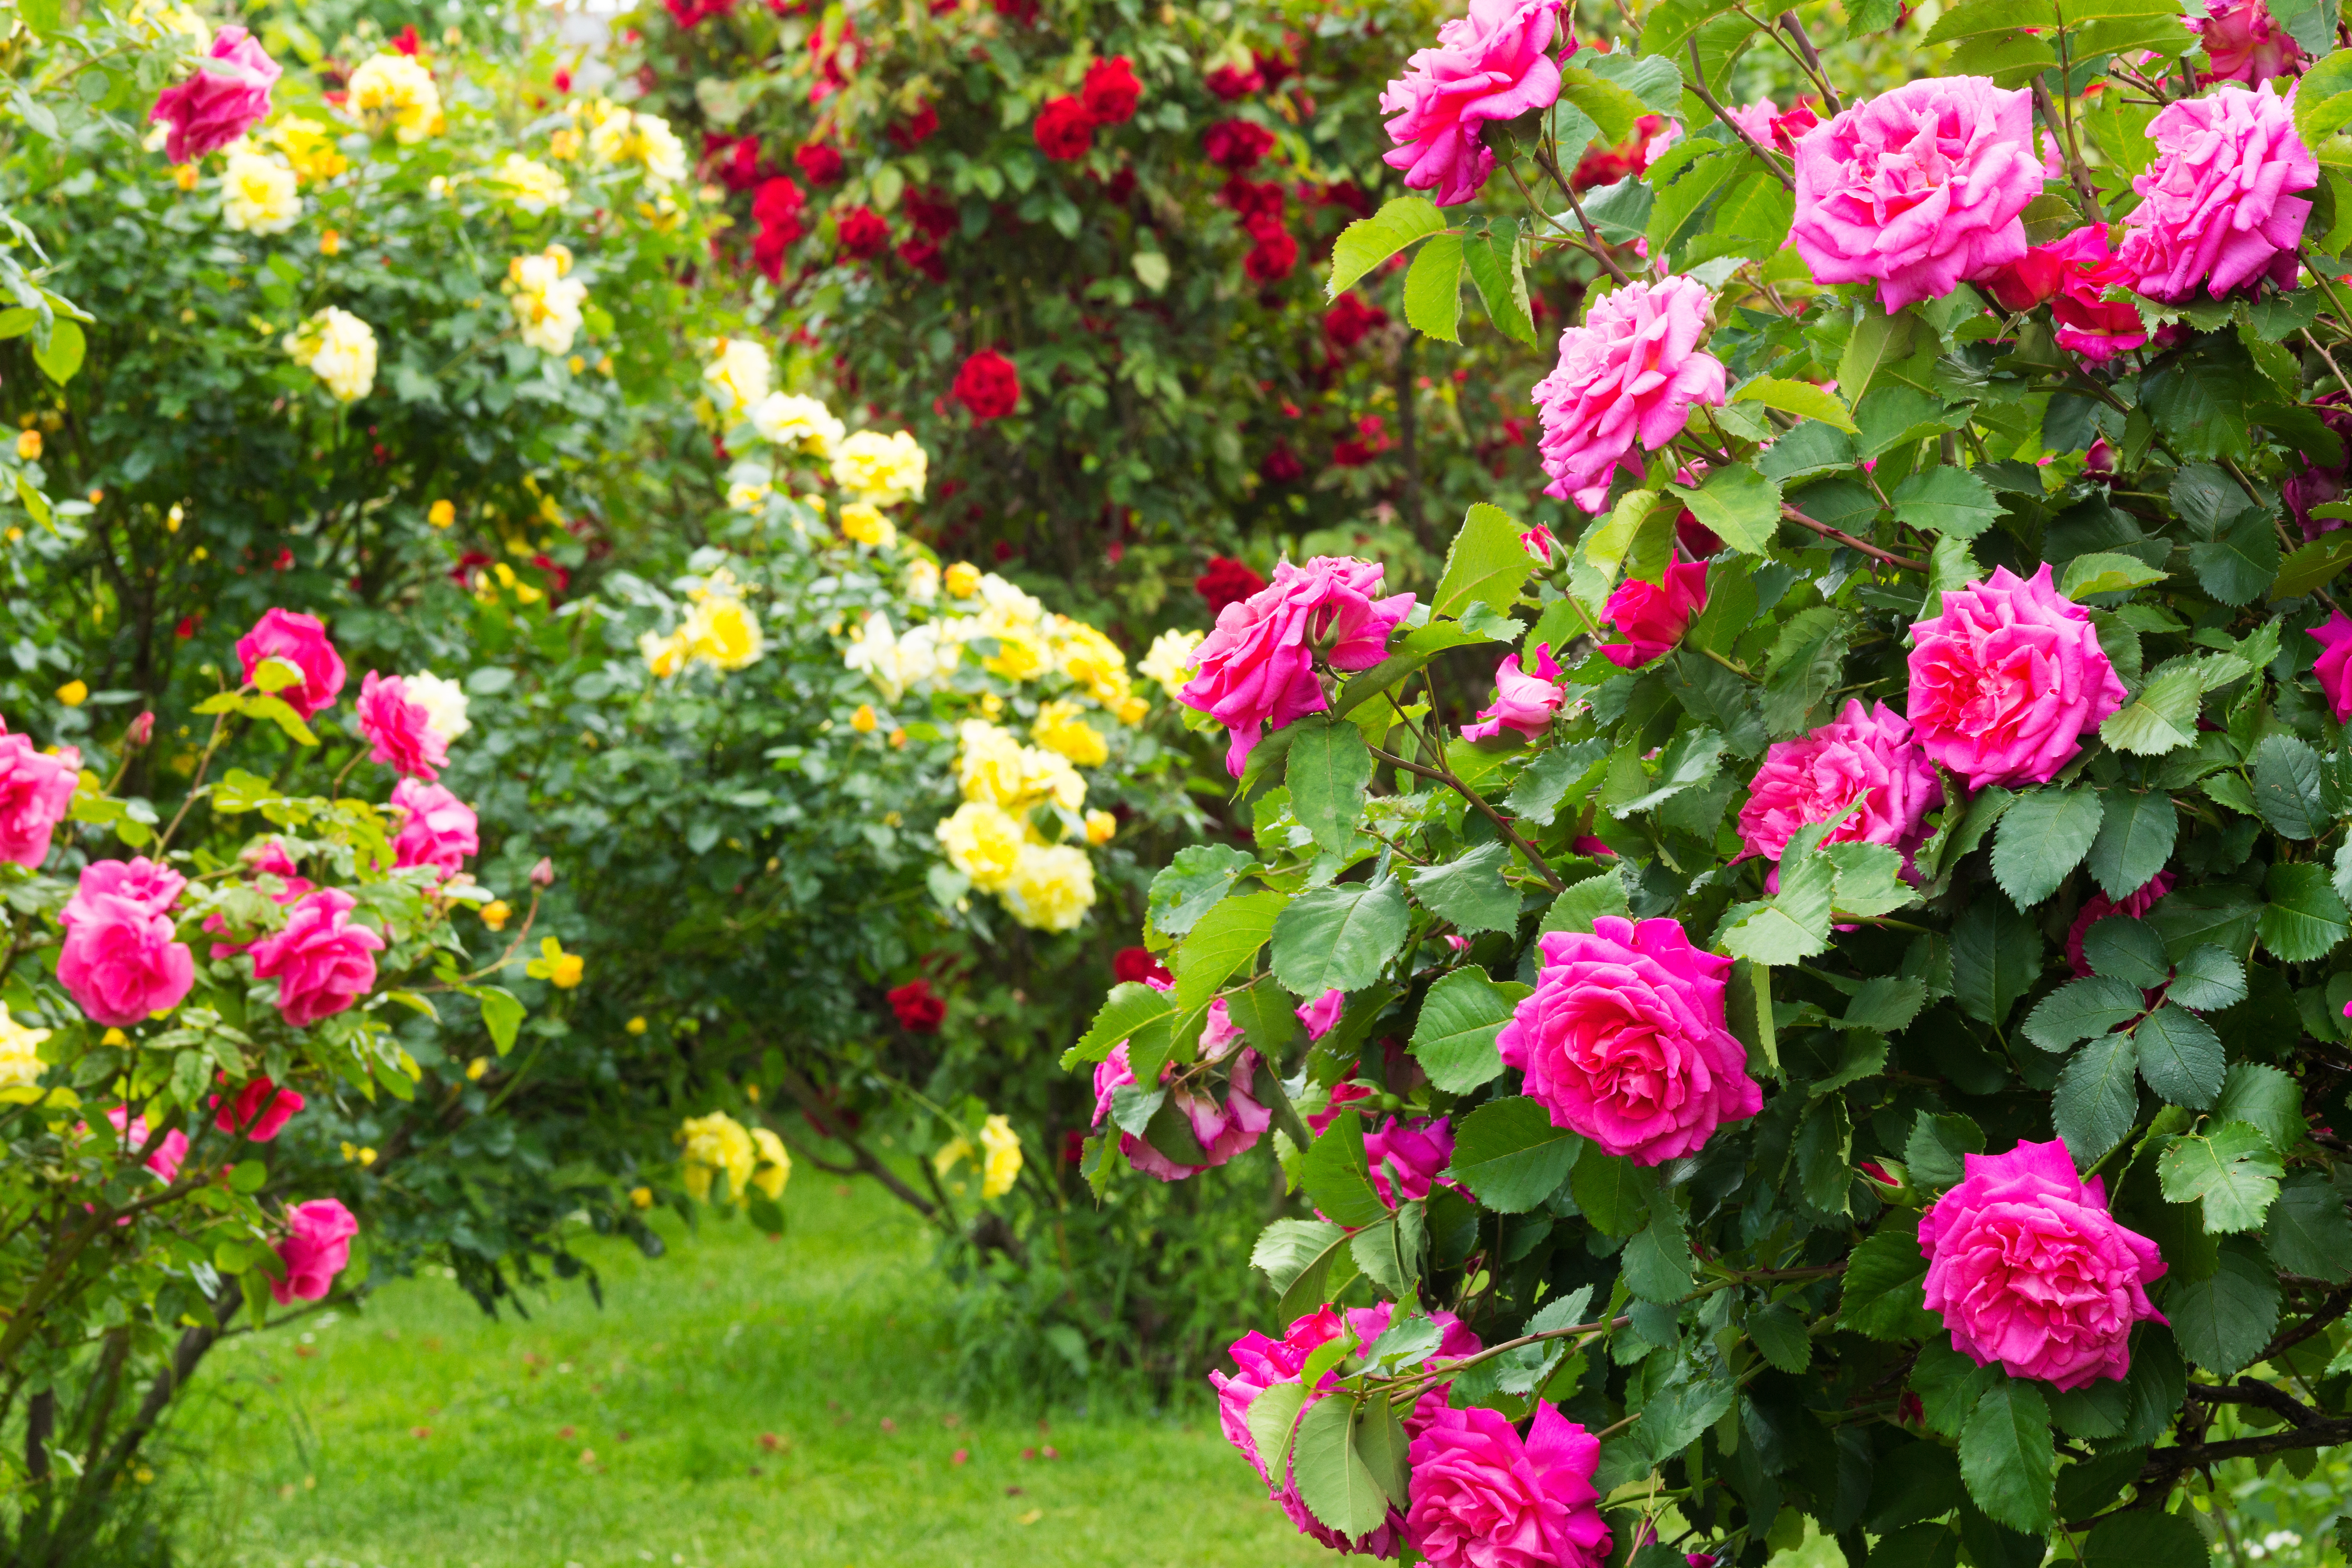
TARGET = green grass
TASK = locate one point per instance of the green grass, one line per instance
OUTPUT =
(419, 1434)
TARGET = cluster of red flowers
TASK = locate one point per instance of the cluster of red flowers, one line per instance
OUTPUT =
(1351, 320)
(1652, 134)
(1371, 439)
(776, 209)
(734, 160)
(1237, 147)
(1266, 72)
(1066, 126)
(988, 385)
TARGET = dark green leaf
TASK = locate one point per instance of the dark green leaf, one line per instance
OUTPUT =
(2180, 1056)
(2224, 1321)
(2098, 1096)
(2008, 1457)
(2303, 919)
(1469, 893)
(1883, 1286)
(1657, 1261)
(1336, 1177)
(1779, 1337)
(2236, 566)
(2043, 838)
(1610, 1190)
(2081, 1010)
(1546, 780)
(1510, 1155)
(1296, 1256)
(1996, 957)
(2289, 788)
(2136, 838)
(1330, 774)
(1454, 1037)
(2265, 1099)
(1339, 938)
(2144, 1537)
(2209, 980)
(2308, 1231)
(2121, 948)
(1934, 1150)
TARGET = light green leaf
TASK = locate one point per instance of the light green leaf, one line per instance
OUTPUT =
(1339, 938)
(1486, 564)
(1740, 504)
(1454, 1037)
(1493, 259)
(1366, 243)
(1509, 1154)
(2104, 572)
(1954, 502)
(1192, 883)
(63, 356)
(1801, 398)
(1432, 289)
(1333, 1481)
(2230, 1169)
(1330, 773)
(2162, 718)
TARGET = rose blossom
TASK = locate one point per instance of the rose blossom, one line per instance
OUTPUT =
(228, 97)
(1653, 616)
(1257, 667)
(2246, 44)
(1322, 1015)
(154, 888)
(2308, 484)
(301, 641)
(2006, 681)
(321, 961)
(1627, 376)
(440, 829)
(1523, 702)
(1765, 121)
(1406, 1158)
(36, 791)
(401, 732)
(1343, 1095)
(1221, 1131)
(318, 1244)
(260, 1112)
(988, 385)
(1110, 92)
(1864, 756)
(1494, 64)
(2099, 907)
(165, 1158)
(2073, 275)
(1482, 1497)
(1919, 188)
(1623, 1040)
(2215, 206)
(2334, 667)
(1063, 129)
(2027, 1269)
(120, 961)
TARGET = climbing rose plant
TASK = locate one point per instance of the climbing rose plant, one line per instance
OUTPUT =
(1854, 1029)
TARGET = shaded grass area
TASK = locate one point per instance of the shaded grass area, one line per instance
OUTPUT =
(738, 1402)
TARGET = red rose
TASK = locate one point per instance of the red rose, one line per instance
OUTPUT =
(408, 42)
(777, 203)
(864, 235)
(820, 163)
(1021, 11)
(1110, 91)
(768, 248)
(918, 1011)
(1122, 187)
(1253, 202)
(916, 129)
(1272, 69)
(1351, 319)
(1236, 144)
(1230, 84)
(988, 385)
(931, 214)
(1136, 963)
(1372, 440)
(1281, 465)
(1227, 582)
(1063, 129)
(923, 257)
(1346, 193)
(1273, 257)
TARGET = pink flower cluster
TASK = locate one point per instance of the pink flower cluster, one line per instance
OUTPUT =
(2007, 679)
(1628, 376)
(317, 1244)
(1494, 64)
(301, 641)
(2216, 207)
(2027, 1269)
(2073, 275)
(2246, 44)
(1221, 1131)
(169, 1152)
(120, 961)
(36, 790)
(1523, 702)
(400, 732)
(438, 830)
(1653, 616)
(226, 98)
(1864, 758)
(1408, 1157)
(1258, 668)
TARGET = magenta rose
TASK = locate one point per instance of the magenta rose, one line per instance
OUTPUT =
(1483, 1496)
(2216, 207)
(2308, 484)
(439, 830)
(170, 1151)
(1864, 758)
(1258, 668)
(1407, 1157)
(2333, 666)
(2246, 44)
(321, 961)
(1321, 1016)
(152, 887)
(226, 98)
(1523, 702)
(1223, 1130)
(1494, 64)
(2027, 1269)
(1627, 377)
(1653, 616)
(2099, 907)
(301, 641)
(2006, 681)
(318, 1244)
(36, 791)
(1258, 1364)
(1623, 1040)
(260, 1112)
(119, 962)
(1454, 1341)
(1343, 1095)
(1917, 189)
(401, 732)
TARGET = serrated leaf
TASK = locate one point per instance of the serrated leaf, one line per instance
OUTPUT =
(2102, 572)
(2290, 789)
(2121, 948)
(1366, 243)
(2303, 919)
(1536, 795)
(1612, 1192)
(1934, 1152)
(1996, 957)
(2231, 1170)
(2265, 1099)
(1740, 504)
(1656, 1262)
(2098, 1096)
(1955, 502)
(2241, 562)
(2043, 837)
(1509, 1155)
(2313, 567)
(1454, 1035)
(1485, 565)
(1333, 1481)
(1340, 938)
(2136, 834)
(2162, 718)
(1779, 1336)
(2009, 1458)
(2308, 1231)
(1882, 1288)
(2082, 1010)
(1272, 1417)
(1493, 260)
(1801, 398)
(1337, 1178)
(1432, 289)
(1331, 776)
(2180, 1056)
(1885, 1003)
(2222, 1322)
(1296, 1256)
(1192, 882)
(1469, 893)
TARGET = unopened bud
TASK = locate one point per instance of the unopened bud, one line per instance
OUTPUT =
(143, 729)
(544, 874)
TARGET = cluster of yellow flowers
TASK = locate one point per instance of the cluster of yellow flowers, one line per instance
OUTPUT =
(993, 839)
(259, 194)
(616, 135)
(308, 147)
(20, 1047)
(999, 1157)
(1007, 630)
(720, 631)
(751, 1158)
(873, 470)
(391, 92)
(339, 349)
(547, 301)
(529, 184)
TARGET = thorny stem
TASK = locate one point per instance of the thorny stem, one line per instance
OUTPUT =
(1901, 562)
(1446, 776)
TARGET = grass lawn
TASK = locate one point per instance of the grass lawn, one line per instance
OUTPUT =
(738, 1402)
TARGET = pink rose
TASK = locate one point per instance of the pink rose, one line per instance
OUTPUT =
(2073, 274)
(1258, 668)
(2005, 681)
(1482, 1497)
(36, 791)
(2333, 666)
(1919, 188)
(2027, 1269)
(440, 829)
(318, 1244)
(1258, 1364)
(1221, 1131)
(301, 641)
(1494, 64)
(1220, 1035)
(1407, 1157)
(1863, 755)
(1653, 616)
(1623, 1040)
(1627, 376)
(1343, 1095)
(154, 888)
(165, 1158)
(1523, 702)
(260, 1112)
(120, 961)
(2215, 207)
(2244, 45)
(1322, 1015)
(1764, 120)
(226, 98)
(400, 731)
(321, 961)
(1454, 1341)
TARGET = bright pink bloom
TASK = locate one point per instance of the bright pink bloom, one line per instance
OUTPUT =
(260, 1111)
(1653, 616)
(1221, 1131)
(1482, 1497)
(2099, 907)
(1863, 755)
(226, 98)
(1322, 1015)
(167, 1155)
(1494, 64)
(439, 830)
(1258, 668)
(154, 888)
(2073, 274)
(301, 641)
(1343, 1095)
(120, 961)
(1919, 188)
(1623, 1040)
(36, 792)
(1627, 377)
(1765, 121)
(1407, 1157)
(2027, 1269)
(2006, 681)
(1523, 702)
(2334, 667)
(318, 1244)
(321, 961)
(2215, 207)
(2246, 44)
(401, 732)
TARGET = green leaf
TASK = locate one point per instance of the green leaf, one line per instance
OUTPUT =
(2102, 572)
(2162, 718)
(2231, 1170)
(1886, 1004)
(1331, 774)
(2308, 1231)
(2224, 1321)
(1801, 398)
(2121, 948)
(1884, 1295)
(1132, 1012)
(1949, 1384)
(1336, 1177)
(1486, 565)
(502, 1015)
(1805, 667)
(1611, 1192)
(2238, 566)
(1996, 957)
(1225, 942)
(2265, 1099)
(1432, 289)
(2009, 1458)
(2098, 1096)
(1273, 1418)
(63, 354)
(1779, 1336)
(1366, 243)
(1469, 893)
(2136, 834)
(2289, 787)
(2082, 1010)
(1934, 1150)
(1673, 1416)
(1955, 502)
(1502, 283)
(1823, 1149)
(2313, 567)
(1296, 1256)
(1610, 106)
(1537, 793)
(1656, 1262)
(1876, 340)
(1740, 504)
(2180, 1056)
(1454, 1037)
(1339, 938)
(1381, 1444)
(2042, 839)
(1690, 760)
(1585, 902)
(2143, 1537)
(1192, 882)
(2304, 918)
(276, 712)
(1334, 1482)
(1510, 1155)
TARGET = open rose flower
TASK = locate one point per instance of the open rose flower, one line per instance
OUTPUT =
(1919, 188)
(2007, 679)
(401, 732)
(1653, 616)
(438, 830)
(152, 887)
(1623, 1040)
(1223, 1130)
(1484, 1497)
(2072, 275)
(1494, 64)
(228, 97)
(2216, 208)
(1626, 378)
(317, 1244)
(321, 961)
(2246, 44)
(1408, 1157)
(1523, 702)
(301, 641)
(260, 1112)
(2027, 1269)
(1321, 1016)
(1865, 758)
(2333, 666)
(36, 789)
(120, 964)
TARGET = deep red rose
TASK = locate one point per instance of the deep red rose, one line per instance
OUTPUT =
(1698, 541)
(932, 214)
(922, 256)
(562, 80)
(1122, 187)
(1227, 582)
(1236, 144)
(1230, 84)
(988, 385)
(1281, 465)
(408, 42)
(1136, 963)
(1351, 319)
(559, 578)
(1063, 129)
(1110, 91)
(916, 129)
(1274, 256)
(864, 235)
(819, 161)
(1346, 193)
(1370, 440)
(1074, 1146)
(1021, 11)
(777, 202)
(1253, 202)
(918, 1011)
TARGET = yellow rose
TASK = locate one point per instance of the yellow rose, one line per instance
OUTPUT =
(883, 469)
(867, 525)
(636, 1025)
(1048, 776)
(310, 150)
(1134, 711)
(29, 446)
(74, 693)
(737, 375)
(475, 1068)
(714, 1143)
(1101, 827)
(1170, 659)
(559, 969)
(800, 424)
(988, 764)
(20, 1053)
(981, 840)
(339, 349)
(547, 305)
(1000, 1157)
(775, 1167)
(1091, 660)
(1060, 728)
(394, 91)
(1052, 886)
(963, 579)
(863, 720)
(529, 184)
(722, 631)
(258, 195)
(496, 913)
(1018, 656)
(641, 1197)
(441, 514)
